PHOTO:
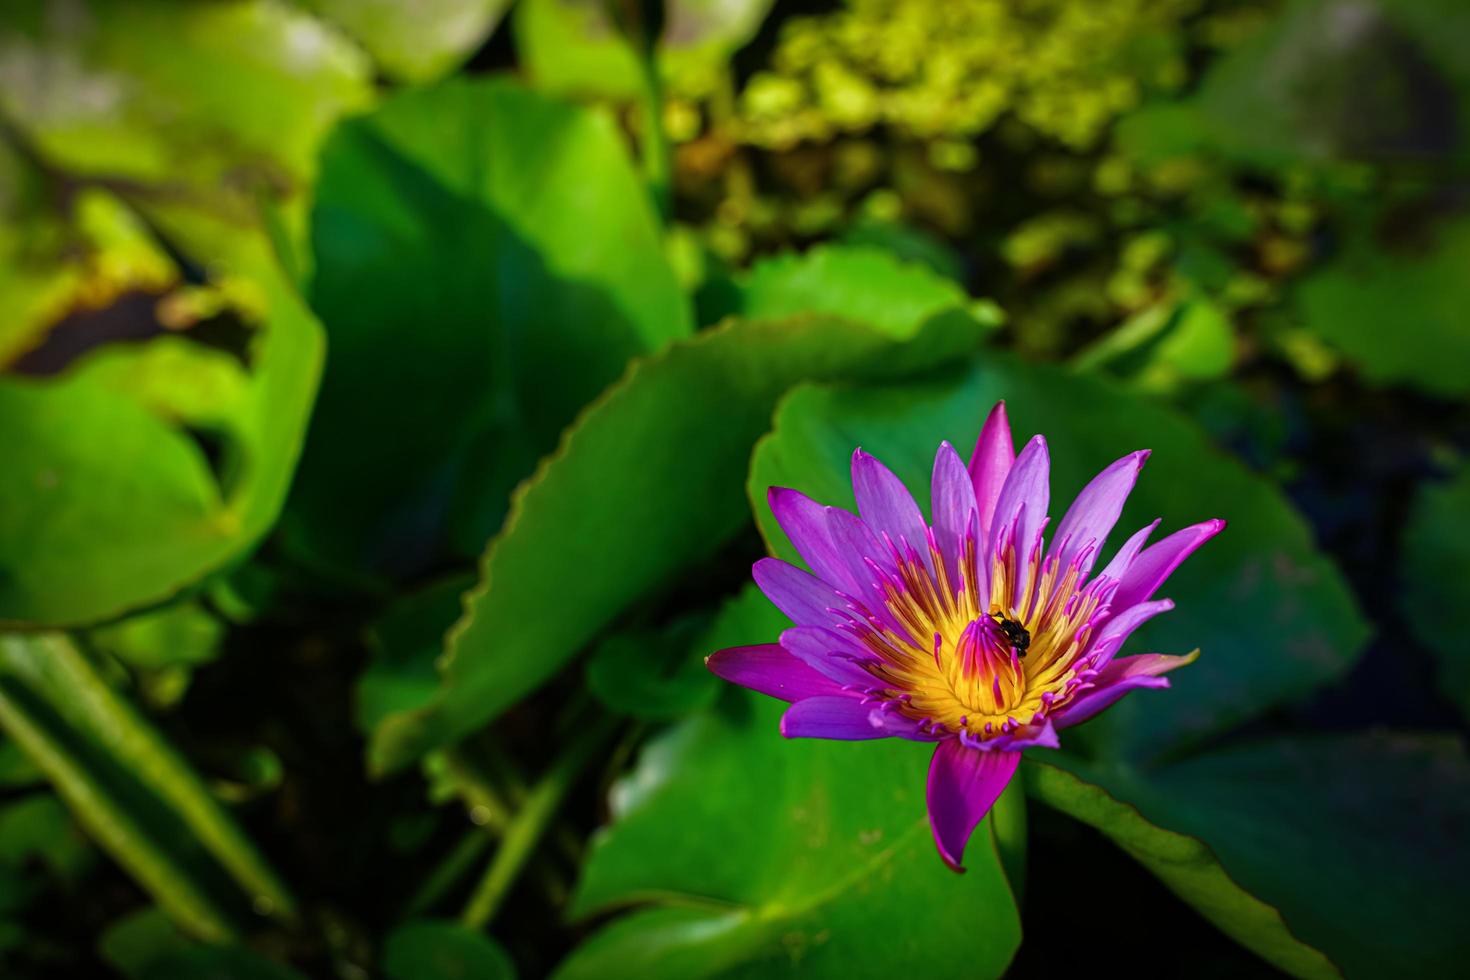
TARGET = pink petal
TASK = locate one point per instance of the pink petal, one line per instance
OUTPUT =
(1095, 511)
(856, 541)
(952, 503)
(1157, 562)
(990, 463)
(963, 785)
(769, 669)
(807, 526)
(1024, 499)
(1119, 565)
(1115, 631)
(830, 654)
(1117, 679)
(846, 718)
(804, 598)
(887, 507)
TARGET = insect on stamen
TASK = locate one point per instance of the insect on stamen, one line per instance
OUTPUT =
(1016, 634)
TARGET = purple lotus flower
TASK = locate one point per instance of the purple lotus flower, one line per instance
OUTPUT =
(970, 631)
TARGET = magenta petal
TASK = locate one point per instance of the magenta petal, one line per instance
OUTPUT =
(887, 506)
(1117, 679)
(952, 501)
(1116, 630)
(769, 669)
(1025, 495)
(1119, 565)
(1155, 564)
(1093, 514)
(857, 542)
(1042, 734)
(963, 785)
(991, 463)
(833, 655)
(806, 525)
(845, 717)
(804, 598)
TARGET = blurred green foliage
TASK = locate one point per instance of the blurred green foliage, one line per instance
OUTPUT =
(388, 393)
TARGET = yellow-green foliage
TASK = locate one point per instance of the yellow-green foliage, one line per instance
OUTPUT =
(950, 68)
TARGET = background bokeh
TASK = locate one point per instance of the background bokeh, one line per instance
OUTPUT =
(388, 395)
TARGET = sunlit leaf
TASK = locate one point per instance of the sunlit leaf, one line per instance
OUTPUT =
(166, 92)
(419, 41)
(864, 284)
(133, 469)
(572, 46)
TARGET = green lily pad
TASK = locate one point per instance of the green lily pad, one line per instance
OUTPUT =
(1324, 854)
(1166, 346)
(572, 46)
(159, 92)
(139, 467)
(645, 484)
(415, 42)
(472, 308)
(865, 284)
(811, 858)
(1274, 618)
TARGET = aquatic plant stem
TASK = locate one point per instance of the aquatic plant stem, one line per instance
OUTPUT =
(657, 153)
(531, 822)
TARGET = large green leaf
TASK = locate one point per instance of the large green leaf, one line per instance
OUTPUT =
(1399, 316)
(865, 284)
(1272, 615)
(1187, 865)
(811, 858)
(648, 482)
(131, 791)
(419, 41)
(1436, 595)
(158, 91)
(572, 46)
(111, 497)
(486, 262)
(1351, 845)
